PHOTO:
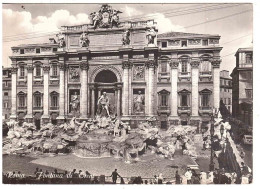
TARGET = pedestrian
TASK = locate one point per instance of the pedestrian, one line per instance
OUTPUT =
(160, 178)
(155, 180)
(188, 175)
(177, 178)
(114, 176)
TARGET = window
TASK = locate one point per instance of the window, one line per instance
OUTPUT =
(184, 43)
(205, 100)
(184, 100)
(38, 70)
(22, 71)
(21, 51)
(6, 116)
(205, 42)
(163, 66)
(249, 93)
(5, 104)
(225, 101)
(225, 90)
(184, 66)
(163, 97)
(229, 101)
(5, 93)
(54, 70)
(38, 101)
(229, 108)
(21, 99)
(164, 44)
(54, 101)
(248, 58)
(38, 51)
(164, 100)
(221, 81)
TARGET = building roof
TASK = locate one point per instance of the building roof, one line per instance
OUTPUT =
(183, 35)
(247, 49)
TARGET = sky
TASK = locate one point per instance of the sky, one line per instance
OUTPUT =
(22, 21)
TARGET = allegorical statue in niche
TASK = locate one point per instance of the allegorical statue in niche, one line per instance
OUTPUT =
(84, 41)
(74, 103)
(151, 34)
(61, 40)
(103, 103)
(139, 103)
(126, 37)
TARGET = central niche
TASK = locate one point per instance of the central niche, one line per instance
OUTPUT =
(106, 76)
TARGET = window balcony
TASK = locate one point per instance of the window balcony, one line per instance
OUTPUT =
(22, 108)
(205, 76)
(22, 77)
(184, 110)
(164, 110)
(54, 77)
(38, 77)
(162, 76)
(184, 76)
(205, 110)
(54, 108)
(38, 108)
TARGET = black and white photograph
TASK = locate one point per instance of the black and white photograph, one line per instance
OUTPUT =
(127, 93)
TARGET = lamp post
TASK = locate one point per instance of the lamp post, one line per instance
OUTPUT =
(211, 165)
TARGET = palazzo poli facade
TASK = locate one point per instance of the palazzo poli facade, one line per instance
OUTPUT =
(172, 76)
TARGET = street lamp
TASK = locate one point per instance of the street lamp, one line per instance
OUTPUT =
(211, 165)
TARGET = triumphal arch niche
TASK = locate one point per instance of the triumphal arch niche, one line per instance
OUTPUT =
(116, 62)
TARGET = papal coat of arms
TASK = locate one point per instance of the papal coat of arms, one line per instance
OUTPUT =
(105, 17)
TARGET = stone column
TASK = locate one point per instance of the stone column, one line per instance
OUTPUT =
(29, 115)
(84, 90)
(125, 93)
(14, 95)
(174, 87)
(151, 65)
(45, 116)
(118, 102)
(61, 116)
(93, 102)
(195, 87)
(130, 93)
(216, 65)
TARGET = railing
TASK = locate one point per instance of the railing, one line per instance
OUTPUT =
(54, 76)
(205, 108)
(206, 73)
(54, 107)
(184, 108)
(22, 108)
(22, 77)
(37, 108)
(163, 108)
(38, 77)
(184, 73)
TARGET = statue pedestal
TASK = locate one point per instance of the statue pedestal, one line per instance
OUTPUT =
(45, 119)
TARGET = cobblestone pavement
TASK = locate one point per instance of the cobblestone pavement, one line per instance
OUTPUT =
(148, 166)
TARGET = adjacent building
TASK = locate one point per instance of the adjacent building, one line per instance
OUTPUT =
(242, 80)
(226, 89)
(6, 93)
(172, 76)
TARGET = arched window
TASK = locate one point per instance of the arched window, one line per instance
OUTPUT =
(38, 70)
(22, 71)
(184, 63)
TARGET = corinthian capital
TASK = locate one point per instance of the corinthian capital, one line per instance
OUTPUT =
(174, 64)
(84, 65)
(151, 64)
(195, 63)
(216, 63)
(14, 70)
(46, 68)
(127, 65)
